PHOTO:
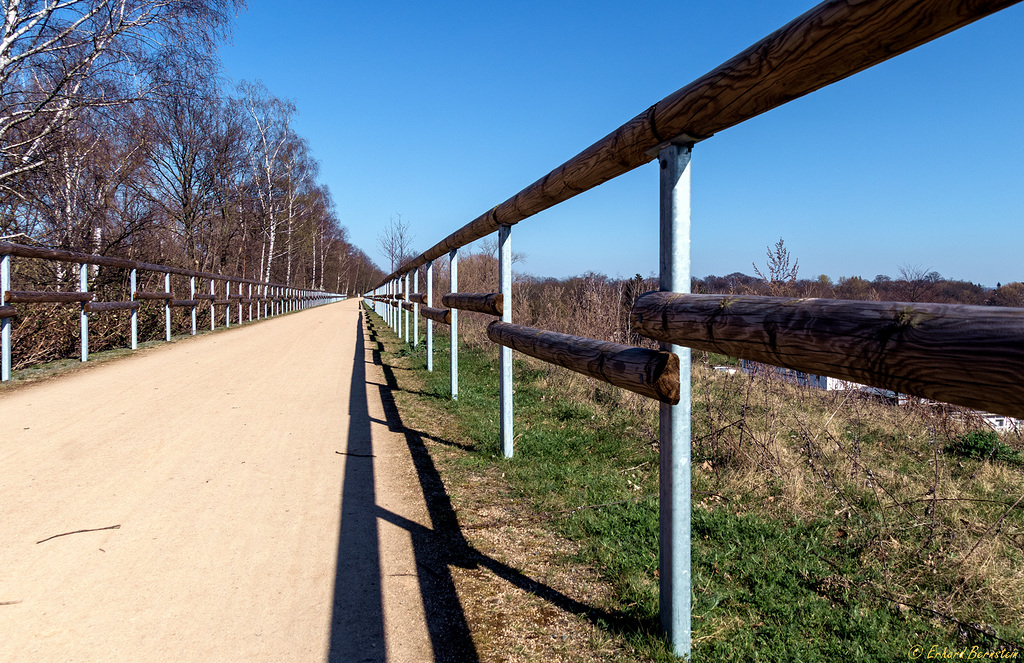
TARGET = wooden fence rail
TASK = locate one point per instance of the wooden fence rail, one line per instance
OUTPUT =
(967, 355)
(962, 356)
(281, 299)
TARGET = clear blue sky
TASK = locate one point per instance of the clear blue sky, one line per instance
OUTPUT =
(441, 110)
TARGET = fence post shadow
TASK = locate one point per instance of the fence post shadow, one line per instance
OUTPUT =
(357, 619)
(443, 546)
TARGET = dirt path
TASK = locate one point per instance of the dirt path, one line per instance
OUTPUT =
(266, 513)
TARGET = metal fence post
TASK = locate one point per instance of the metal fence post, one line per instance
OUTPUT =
(167, 305)
(83, 285)
(239, 302)
(454, 259)
(416, 309)
(674, 421)
(249, 297)
(398, 307)
(430, 323)
(133, 281)
(192, 296)
(505, 360)
(5, 323)
(213, 311)
(405, 300)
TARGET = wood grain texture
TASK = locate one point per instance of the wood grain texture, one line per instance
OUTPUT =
(204, 297)
(408, 307)
(184, 303)
(140, 294)
(100, 307)
(418, 298)
(38, 297)
(647, 372)
(8, 311)
(828, 43)
(491, 303)
(966, 355)
(442, 315)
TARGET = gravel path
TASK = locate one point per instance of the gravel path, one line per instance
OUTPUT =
(264, 508)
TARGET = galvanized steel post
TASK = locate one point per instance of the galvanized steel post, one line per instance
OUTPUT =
(213, 311)
(454, 258)
(167, 305)
(192, 296)
(398, 306)
(416, 309)
(133, 281)
(5, 323)
(239, 302)
(505, 361)
(674, 420)
(249, 297)
(83, 285)
(405, 300)
(227, 305)
(430, 323)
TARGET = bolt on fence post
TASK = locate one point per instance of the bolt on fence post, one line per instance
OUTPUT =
(416, 309)
(505, 363)
(83, 285)
(133, 280)
(5, 323)
(192, 296)
(454, 259)
(430, 323)
(167, 305)
(674, 420)
(213, 312)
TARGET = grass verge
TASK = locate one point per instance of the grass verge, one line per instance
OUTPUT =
(824, 526)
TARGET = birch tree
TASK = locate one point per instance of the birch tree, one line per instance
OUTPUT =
(57, 57)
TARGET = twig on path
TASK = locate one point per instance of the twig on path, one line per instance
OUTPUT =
(79, 531)
(345, 453)
(9, 602)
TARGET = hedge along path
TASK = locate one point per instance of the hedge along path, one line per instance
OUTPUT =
(217, 456)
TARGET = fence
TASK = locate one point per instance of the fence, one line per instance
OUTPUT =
(965, 355)
(268, 299)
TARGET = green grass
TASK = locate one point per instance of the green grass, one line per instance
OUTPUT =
(775, 577)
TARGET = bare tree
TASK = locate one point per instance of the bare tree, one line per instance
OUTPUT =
(271, 132)
(58, 57)
(395, 242)
(781, 276)
(916, 284)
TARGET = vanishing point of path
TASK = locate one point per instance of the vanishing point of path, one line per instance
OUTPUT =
(264, 511)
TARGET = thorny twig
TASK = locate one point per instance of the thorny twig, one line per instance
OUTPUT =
(994, 525)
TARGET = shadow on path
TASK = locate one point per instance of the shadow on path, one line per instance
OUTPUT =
(444, 545)
(357, 620)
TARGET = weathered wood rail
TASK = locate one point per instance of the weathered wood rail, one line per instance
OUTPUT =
(271, 299)
(940, 352)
